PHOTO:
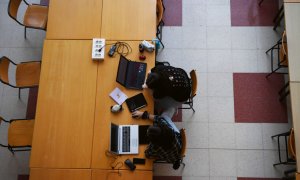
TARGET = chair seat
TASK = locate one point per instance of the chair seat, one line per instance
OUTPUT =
(28, 74)
(36, 16)
(20, 133)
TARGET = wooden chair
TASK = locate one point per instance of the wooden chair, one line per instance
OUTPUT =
(282, 50)
(35, 17)
(27, 73)
(159, 20)
(19, 136)
(183, 150)
(289, 141)
(194, 83)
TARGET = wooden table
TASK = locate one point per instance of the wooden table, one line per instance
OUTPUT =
(74, 19)
(106, 83)
(88, 174)
(64, 121)
(128, 20)
(292, 15)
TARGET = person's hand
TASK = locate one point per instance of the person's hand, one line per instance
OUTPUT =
(144, 86)
(137, 114)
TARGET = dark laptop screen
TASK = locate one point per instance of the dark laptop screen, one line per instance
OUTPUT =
(121, 75)
(114, 137)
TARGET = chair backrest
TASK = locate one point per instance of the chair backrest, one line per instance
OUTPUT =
(20, 133)
(183, 141)
(291, 145)
(4, 65)
(159, 11)
(13, 7)
(283, 52)
(194, 82)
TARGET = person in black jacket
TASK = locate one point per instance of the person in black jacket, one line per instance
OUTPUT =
(171, 86)
(169, 81)
(165, 139)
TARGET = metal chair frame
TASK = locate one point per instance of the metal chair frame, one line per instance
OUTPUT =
(279, 63)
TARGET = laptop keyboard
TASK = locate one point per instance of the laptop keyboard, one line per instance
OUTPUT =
(126, 139)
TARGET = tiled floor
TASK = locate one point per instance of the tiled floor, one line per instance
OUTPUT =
(217, 147)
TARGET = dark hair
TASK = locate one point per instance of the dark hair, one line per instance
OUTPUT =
(159, 136)
(153, 80)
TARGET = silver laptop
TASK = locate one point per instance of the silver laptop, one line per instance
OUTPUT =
(124, 139)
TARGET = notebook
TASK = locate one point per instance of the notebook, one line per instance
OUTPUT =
(136, 102)
(131, 74)
(124, 139)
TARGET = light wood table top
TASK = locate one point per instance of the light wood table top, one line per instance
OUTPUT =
(292, 15)
(74, 20)
(63, 131)
(60, 174)
(128, 20)
(295, 101)
(121, 175)
(107, 72)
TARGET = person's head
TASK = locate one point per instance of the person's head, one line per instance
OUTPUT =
(153, 80)
(159, 136)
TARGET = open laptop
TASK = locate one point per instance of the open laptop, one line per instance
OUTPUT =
(124, 139)
(131, 74)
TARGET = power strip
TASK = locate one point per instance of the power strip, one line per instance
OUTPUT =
(98, 49)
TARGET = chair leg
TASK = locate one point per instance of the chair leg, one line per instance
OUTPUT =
(278, 13)
(278, 22)
(11, 150)
(25, 32)
(19, 93)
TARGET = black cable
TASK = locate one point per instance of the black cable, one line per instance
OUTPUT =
(123, 48)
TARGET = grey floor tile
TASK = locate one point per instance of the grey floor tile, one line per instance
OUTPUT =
(221, 109)
(218, 15)
(219, 61)
(220, 84)
(197, 134)
(222, 135)
(201, 108)
(195, 178)
(250, 163)
(197, 162)
(193, 37)
(249, 135)
(195, 59)
(222, 162)
(173, 37)
(194, 15)
(218, 37)
(244, 60)
(243, 38)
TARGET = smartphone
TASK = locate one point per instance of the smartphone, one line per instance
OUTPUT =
(139, 161)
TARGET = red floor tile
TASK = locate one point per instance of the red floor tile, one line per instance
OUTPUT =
(256, 98)
(31, 105)
(248, 13)
(178, 116)
(23, 177)
(173, 12)
(167, 178)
